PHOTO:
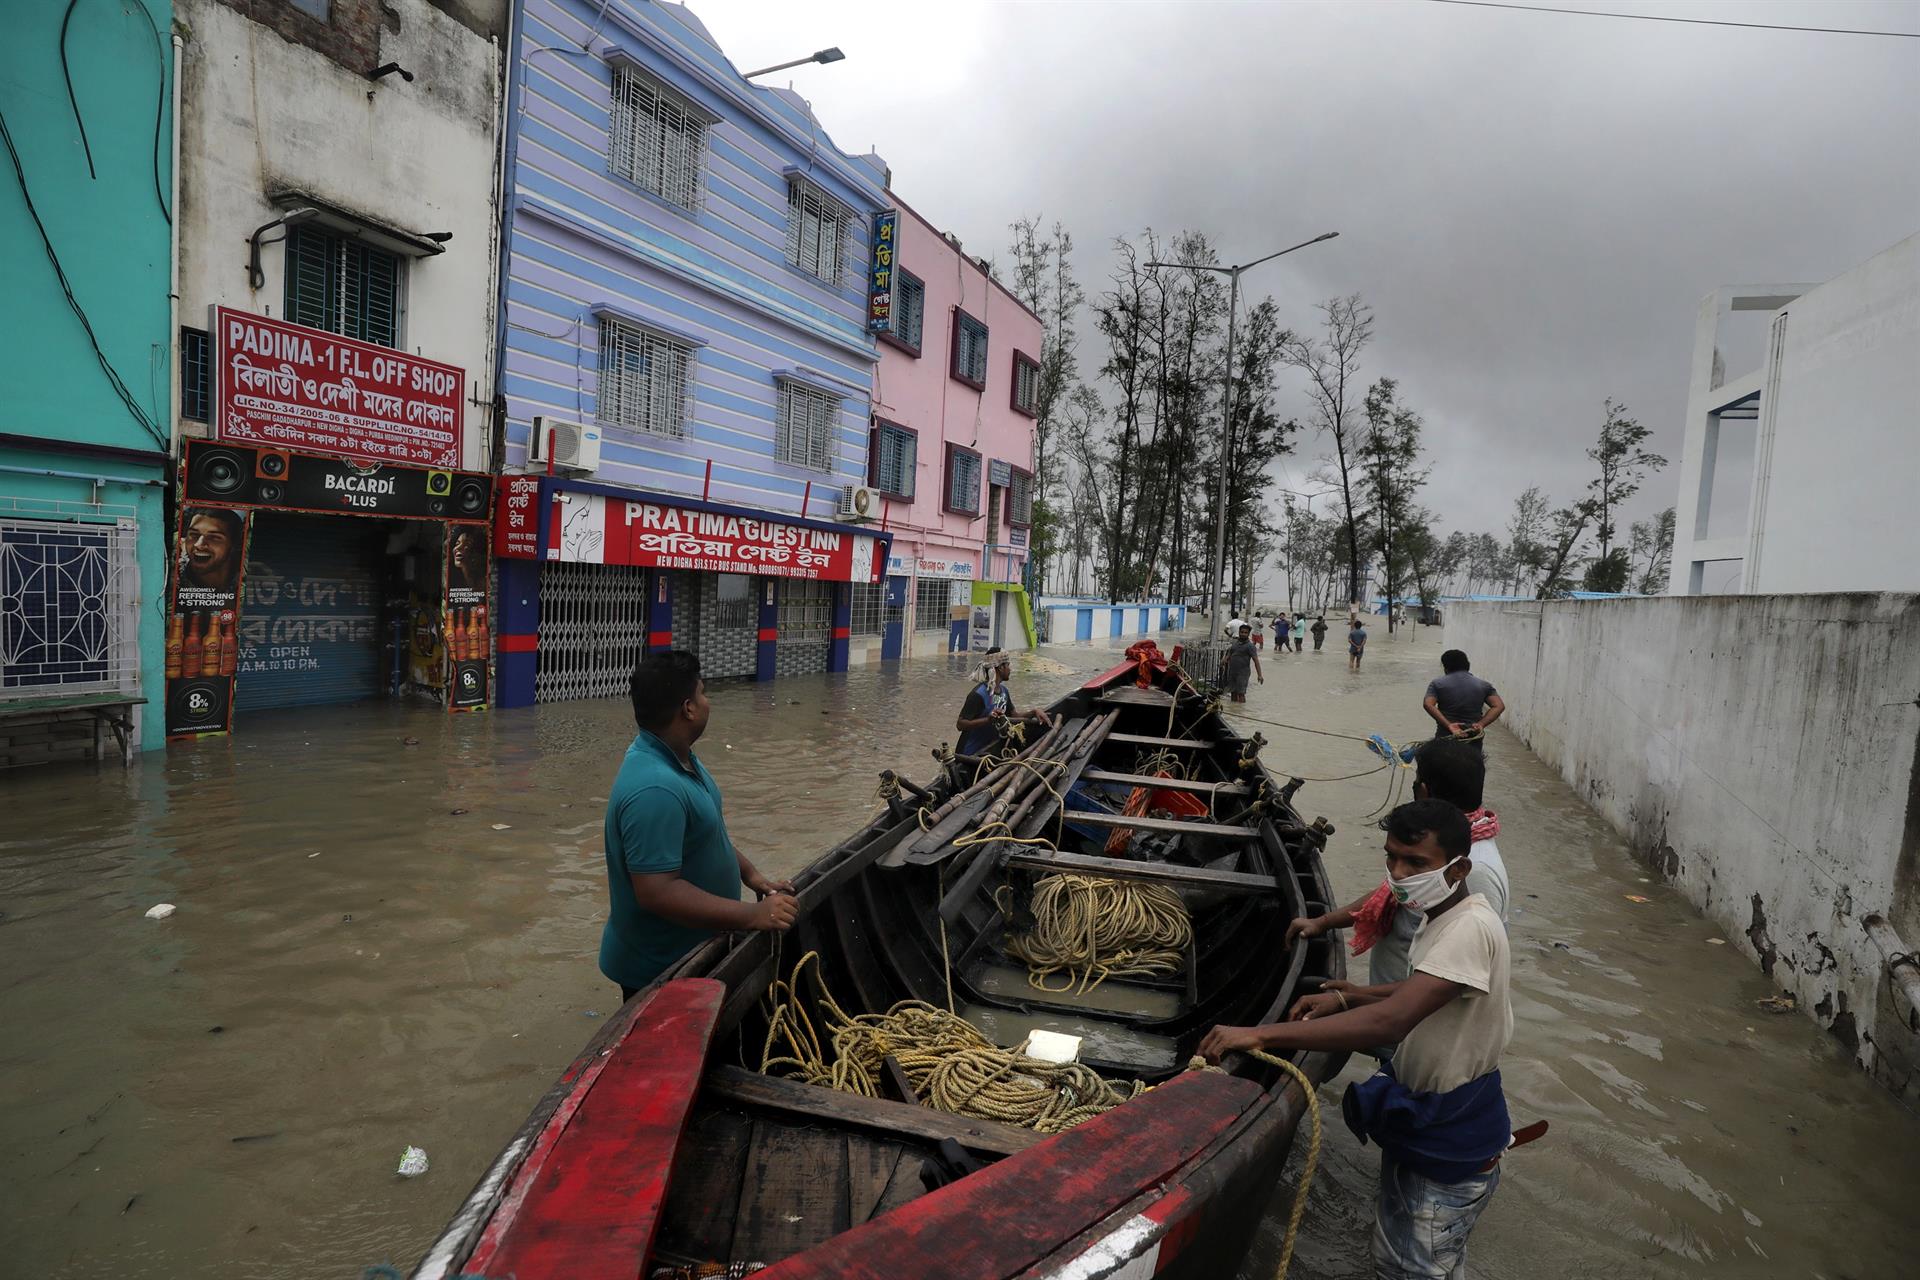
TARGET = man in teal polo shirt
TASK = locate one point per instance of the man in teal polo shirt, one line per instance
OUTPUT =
(673, 876)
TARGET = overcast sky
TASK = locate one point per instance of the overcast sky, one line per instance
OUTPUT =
(1533, 204)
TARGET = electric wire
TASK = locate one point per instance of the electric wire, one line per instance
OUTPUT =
(159, 111)
(120, 389)
(1692, 22)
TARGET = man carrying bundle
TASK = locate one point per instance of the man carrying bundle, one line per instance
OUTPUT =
(987, 716)
(1437, 1110)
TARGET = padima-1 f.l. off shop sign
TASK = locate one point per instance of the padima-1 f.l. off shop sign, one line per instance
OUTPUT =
(290, 387)
(594, 529)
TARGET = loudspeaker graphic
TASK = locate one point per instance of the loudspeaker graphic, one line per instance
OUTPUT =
(271, 464)
(220, 472)
(470, 496)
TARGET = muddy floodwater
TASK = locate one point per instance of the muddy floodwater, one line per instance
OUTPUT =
(386, 929)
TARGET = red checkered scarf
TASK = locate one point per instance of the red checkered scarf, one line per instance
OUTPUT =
(1375, 916)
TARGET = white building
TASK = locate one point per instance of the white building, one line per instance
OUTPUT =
(340, 168)
(1833, 414)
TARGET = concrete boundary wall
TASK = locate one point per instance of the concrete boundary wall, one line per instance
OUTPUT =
(1759, 752)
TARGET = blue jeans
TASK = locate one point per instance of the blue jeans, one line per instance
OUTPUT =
(1420, 1226)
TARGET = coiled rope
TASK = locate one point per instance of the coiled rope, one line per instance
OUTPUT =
(947, 1061)
(1091, 928)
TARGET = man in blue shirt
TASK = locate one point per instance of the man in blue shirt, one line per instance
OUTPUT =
(673, 875)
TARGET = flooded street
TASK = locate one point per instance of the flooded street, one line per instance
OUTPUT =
(386, 934)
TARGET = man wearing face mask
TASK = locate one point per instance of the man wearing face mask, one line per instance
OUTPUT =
(1443, 770)
(1436, 1111)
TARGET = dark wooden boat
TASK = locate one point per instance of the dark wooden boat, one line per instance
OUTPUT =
(659, 1147)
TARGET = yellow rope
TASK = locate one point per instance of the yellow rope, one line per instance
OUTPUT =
(1092, 928)
(1313, 1148)
(948, 1062)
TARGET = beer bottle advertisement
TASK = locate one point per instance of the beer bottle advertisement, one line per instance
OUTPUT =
(201, 624)
(465, 617)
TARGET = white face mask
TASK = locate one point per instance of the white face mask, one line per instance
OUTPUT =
(1424, 890)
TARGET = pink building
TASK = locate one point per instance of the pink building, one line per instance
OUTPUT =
(952, 453)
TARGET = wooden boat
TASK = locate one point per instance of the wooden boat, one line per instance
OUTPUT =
(660, 1146)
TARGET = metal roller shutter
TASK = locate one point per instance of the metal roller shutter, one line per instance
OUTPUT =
(310, 622)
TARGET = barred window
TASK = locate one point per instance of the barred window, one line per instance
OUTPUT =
(1020, 498)
(909, 309)
(1026, 384)
(931, 605)
(869, 604)
(646, 380)
(963, 480)
(657, 140)
(969, 349)
(818, 228)
(342, 285)
(806, 609)
(195, 387)
(803, 426)
(893, 456)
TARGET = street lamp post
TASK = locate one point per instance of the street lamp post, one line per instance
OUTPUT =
(823, 56)
(1220, 495)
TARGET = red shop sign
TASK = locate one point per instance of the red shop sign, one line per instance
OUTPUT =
(293, 387)
(516, 518)
(600, 530)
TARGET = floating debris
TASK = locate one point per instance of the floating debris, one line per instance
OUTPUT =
(413, 1163)
(503, 826)
(1634, 897)
(160, 911)
(1782, 1003)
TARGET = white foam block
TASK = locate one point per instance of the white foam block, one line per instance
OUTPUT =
(1051, 1046)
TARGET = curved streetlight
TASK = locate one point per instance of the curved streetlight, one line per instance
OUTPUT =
(1220, 515)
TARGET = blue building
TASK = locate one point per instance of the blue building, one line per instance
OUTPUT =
(86, 371)
(684, 361)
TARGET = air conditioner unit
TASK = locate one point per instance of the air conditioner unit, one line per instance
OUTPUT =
(574, 445)
(860, 503)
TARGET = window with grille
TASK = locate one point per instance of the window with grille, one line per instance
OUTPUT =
(869, 608)
(909, 309)
(806, 609)
(1026, 385)
(818, 229)
(969, 350)
(1020, 498)
(646, 379)
(194, 386)
(657, 140)
(893, 456)
(931, 607)
(963, 480)
(803, 426)
(342, 285)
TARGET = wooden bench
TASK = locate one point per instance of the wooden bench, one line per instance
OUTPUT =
(108, 710)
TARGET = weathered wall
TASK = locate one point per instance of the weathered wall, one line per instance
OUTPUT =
(1757, 751)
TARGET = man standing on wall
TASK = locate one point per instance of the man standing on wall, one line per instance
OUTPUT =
(1437, 1111)
(1460, 702)
(673, 875)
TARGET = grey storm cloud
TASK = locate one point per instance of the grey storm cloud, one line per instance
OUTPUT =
(1533, 204)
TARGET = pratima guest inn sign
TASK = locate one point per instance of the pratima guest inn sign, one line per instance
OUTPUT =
(292, 387)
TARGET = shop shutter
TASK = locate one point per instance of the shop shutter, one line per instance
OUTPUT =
(310, 630)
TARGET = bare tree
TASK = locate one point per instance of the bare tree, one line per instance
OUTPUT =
(1332, 365)
(1653, 541)
(1526, 531)
(1043, 279)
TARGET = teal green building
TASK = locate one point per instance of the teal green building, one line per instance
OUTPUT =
(86, 377)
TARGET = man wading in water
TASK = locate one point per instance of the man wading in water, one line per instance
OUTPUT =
(673, 875)
(987, 715)
(1437, 1110)
(1241, 658)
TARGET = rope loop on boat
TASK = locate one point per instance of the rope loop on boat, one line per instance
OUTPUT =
(1312, 1161)
(947, 1061)
(1091, 928)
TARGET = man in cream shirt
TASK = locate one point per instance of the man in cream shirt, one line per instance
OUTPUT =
(1437, 1110)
